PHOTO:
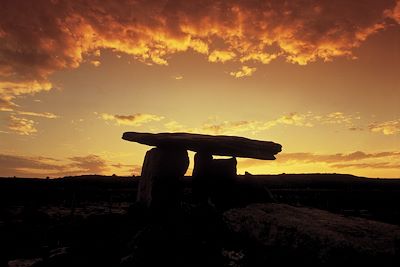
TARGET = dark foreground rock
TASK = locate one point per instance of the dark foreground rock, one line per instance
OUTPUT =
(213, 144)
(279, 234)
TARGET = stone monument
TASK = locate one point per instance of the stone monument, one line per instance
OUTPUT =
(166, 164)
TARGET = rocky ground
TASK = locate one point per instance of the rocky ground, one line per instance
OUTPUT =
(101, 225)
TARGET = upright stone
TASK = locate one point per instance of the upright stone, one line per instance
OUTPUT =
(213, 179)
(201, 176)
(162, 171)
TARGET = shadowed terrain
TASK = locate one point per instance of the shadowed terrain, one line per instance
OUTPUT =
(95, 220)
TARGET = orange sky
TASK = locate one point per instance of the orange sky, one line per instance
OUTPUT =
(322, 78)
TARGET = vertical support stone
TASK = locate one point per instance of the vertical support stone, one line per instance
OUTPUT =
(213, 179)
(202, 176)
(160, 186)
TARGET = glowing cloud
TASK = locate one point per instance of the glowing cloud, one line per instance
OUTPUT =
(243, 72)
(46, 115)
(232, 127)
(41, 37)
(10, 90)
(221, 56)
(358, 159)
(35, 166)
(387, 127)
(292, 119)
(133, 120)
(21, 126)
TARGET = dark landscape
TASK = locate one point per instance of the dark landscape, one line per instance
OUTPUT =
(140, 133)
(95, 221)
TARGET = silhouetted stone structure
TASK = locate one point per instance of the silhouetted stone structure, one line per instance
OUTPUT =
(219, 145)
(166, 164)
(161, 173)
(213, 178)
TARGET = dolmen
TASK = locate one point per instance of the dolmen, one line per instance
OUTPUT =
(165, 165)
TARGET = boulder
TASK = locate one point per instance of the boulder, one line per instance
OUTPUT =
(279, 234)
(211, 144)
(159, 186)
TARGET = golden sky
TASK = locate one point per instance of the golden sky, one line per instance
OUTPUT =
(322, 78)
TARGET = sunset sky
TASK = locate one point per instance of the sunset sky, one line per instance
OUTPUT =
(322, 78)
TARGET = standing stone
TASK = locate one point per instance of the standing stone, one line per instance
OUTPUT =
(160, 185)
(202, 176)
(213, 179)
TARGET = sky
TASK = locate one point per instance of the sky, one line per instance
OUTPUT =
(321, 78)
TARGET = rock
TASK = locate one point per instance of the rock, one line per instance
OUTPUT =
(60, 257)
(224, 168)
(25, 262)
(202, 164)
(162, 170)
(201, 176)
(279, 234)
(163, 166)
(214, 145)
(213, 178)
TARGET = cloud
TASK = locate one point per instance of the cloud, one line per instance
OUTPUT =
(174, 126)
(254, 126)
(89, 164)
(294, 118)
(348, 122)
(11, 165)
(335, 118)
(394, 13)
(95, 63)
(40, 38)
(132, 169)
(243, 72)
(261, 57)
(34, 166)
(46, 115)
(9, 90)
(358, 159)
(355, 128)
(373, 165)
(24, 126)
(231, 127)
(133, 120)
(28, 166)
(333, 158)
(6, 104)
(387, 127)
(213, 126)
(221, 56)
(21, 126)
